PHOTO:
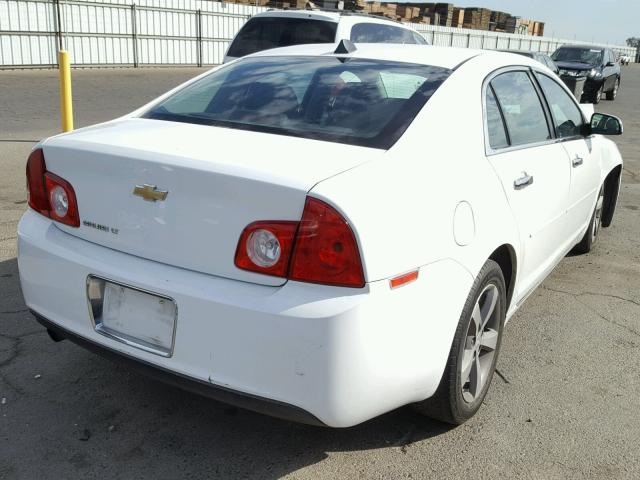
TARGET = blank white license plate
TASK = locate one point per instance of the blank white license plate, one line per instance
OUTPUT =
(138, 318)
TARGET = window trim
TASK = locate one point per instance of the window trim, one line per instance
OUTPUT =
(500, 112)
(489, 151)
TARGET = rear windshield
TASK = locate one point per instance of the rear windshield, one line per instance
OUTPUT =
(355, 101)
(264, 33)
(589, 56)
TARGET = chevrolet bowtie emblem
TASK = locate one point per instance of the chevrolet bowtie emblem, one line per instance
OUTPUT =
(150, 192)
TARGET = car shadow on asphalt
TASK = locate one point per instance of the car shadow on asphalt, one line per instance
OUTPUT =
(94, 410)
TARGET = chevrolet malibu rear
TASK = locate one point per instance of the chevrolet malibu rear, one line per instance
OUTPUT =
(262, 234)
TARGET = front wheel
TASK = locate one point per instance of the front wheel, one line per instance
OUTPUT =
(614, 93)
(591, 235)
(474, 352)
(598, 95)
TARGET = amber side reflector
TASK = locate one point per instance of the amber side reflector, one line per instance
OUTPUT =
(403, 279)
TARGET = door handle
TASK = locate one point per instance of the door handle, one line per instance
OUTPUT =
(576, 162)
(523, 181)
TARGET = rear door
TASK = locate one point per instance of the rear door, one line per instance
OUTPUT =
(532, 167)
(568, 120)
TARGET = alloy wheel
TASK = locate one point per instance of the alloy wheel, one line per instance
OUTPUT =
(480, 344)
(597, 220)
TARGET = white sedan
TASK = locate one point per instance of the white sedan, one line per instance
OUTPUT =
(323, 233)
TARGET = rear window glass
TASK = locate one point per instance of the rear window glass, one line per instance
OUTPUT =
(264, 33)
(355, 101)
(379, 33)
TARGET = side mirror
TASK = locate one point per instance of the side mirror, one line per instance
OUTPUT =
(610, 64)
(603, 124)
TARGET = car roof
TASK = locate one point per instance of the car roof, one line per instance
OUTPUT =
(444, 57)
(584, 47)
(331, 16)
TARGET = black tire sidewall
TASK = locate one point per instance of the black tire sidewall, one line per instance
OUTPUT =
(597, 97)
(490, 273)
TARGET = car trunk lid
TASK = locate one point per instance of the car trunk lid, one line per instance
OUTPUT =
(217, 180)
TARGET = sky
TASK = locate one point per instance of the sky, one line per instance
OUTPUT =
(603, 21)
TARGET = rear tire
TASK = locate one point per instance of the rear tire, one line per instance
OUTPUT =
(591, 235)
(474, 351)
(614, 93)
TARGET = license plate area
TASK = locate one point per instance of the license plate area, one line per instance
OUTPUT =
(138, 318)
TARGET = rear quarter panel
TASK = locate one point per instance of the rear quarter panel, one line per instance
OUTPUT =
(402, 205)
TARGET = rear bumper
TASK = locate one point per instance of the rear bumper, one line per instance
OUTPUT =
(334, 356)
(216, 392)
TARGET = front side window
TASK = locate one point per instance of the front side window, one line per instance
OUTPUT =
(356, 101)
(567, 117)
(521, 107)
(263, 33)
(379, 33)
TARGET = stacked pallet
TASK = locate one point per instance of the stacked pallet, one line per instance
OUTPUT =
(511, 24)
(383, 9)
(498, 21)
(407, 12)
(434, 18)
(445, 11)
(457, 19)
(354, 5)
(538, 29)
(477, 18)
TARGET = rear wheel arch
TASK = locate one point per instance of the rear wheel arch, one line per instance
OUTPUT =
(611, 188)
(505, 257)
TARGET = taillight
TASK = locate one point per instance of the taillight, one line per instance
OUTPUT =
(36, 190)
(49, 194)
(63, 207)
(321, 248)
(326, 250)
(265, 247)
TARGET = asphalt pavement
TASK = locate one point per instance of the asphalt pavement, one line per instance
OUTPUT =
(566, 402)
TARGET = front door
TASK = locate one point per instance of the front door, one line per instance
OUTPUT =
(585, 171)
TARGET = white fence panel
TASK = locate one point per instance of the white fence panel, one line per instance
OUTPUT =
(172, 32)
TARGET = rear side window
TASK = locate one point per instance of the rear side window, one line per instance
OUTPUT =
(521, 107)
(495, 124)
(263, 33)
(379, 33)
(356, 101)
(567, 117)
(419, 39)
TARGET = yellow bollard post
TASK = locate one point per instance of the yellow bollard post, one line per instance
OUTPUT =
(66, 101)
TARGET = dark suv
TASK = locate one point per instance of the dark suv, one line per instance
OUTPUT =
(595, 64)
